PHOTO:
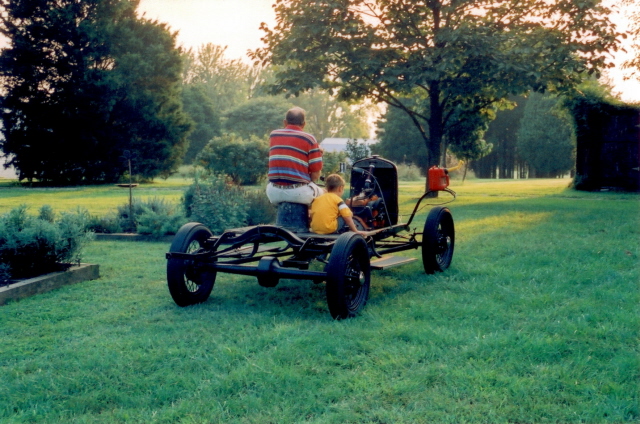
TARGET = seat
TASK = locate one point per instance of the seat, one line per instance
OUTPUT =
(293, 217)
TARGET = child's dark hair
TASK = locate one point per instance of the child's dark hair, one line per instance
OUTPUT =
(333, 182)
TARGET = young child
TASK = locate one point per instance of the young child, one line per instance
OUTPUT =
(326, 208)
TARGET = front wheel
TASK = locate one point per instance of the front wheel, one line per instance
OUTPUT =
(189, 282)
(348, 276)
(438, 240)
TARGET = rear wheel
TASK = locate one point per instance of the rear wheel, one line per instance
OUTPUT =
(189, 281)
(348, 276)
(438, 240)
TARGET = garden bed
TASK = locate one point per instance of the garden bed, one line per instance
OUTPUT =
(20, 289)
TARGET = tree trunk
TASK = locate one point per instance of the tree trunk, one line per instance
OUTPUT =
(436, 132)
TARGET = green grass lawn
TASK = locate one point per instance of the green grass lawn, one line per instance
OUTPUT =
(536, 321)
(98, 200)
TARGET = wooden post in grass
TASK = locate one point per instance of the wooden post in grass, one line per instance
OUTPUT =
(127, 156)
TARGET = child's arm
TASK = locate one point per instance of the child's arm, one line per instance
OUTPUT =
(352, 226)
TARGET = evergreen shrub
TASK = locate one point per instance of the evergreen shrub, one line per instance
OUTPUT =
(35, 245)
(159, 217)
(107, 224)
(154, 216)
(215, 202)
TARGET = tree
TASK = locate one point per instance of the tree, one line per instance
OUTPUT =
(402, 142)
(464, 57)
(227, 83)
(502, 161)
(331, 162)
(207, 123)
(257, 117)
(399, 140)
(328, 117)
(81, 83)
(244, 160)
(633, 64)
(356, 151)
(545, 138)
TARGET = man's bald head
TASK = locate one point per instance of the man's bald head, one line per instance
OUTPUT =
(295, 116)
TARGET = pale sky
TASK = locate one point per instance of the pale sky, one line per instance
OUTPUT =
(232, 23)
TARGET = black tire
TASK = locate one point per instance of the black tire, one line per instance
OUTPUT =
(438, 240)
(348, 276)
(188, 282)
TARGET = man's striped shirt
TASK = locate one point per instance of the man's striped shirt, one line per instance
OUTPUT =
(293, 154)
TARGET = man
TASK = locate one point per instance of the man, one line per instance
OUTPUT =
(295, 162)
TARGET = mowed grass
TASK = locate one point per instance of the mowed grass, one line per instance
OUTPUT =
(98, 200)
(536, 321)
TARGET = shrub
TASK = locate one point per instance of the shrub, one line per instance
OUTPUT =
(259, 208)
(153, 216)
(159, 217)
(216, 202)
(126, 215)
(243, 160)
(46, 213)
(32, 246)
(409, 172)
(331, 162)
(108, 224)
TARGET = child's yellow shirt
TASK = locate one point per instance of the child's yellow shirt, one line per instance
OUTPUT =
(325, 211)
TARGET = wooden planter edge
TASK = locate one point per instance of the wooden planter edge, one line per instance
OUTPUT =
(48, 282)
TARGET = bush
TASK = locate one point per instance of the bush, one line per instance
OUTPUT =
(409, 172)
(107, 224)
(153, 216)
(243, 160)
(31, 246)
(331, 162)
(259, 208)
(159, 217)
(216, 202)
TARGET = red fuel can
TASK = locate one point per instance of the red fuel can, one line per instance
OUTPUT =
(438, 178)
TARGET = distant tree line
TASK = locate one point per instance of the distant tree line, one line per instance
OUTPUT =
(532, 139)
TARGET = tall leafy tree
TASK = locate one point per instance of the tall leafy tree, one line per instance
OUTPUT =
(464, 56)
(502, 161)
(328, 117)
(399, 140)
(207, 122)
(226, 82)
(402, 141)
(257, 117)
(632, 65)
(83, 81)
(546, 141)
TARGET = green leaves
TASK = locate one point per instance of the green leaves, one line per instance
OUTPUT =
(243, 160)
(468, 54)
(84, 81)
